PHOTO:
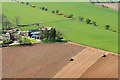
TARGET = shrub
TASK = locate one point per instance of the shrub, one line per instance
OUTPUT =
(43, 8)
(46, 9)
(53, 11)
(107, 27)
(81, 18)
(71, 15)
(57, 11)
(22, 2)
(24, 41)
(27, 3)
(88, 21)
(94, 23)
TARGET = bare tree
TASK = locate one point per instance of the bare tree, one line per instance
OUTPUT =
(17, 19)
(5, 23)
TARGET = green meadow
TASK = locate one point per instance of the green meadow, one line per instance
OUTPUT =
(72, 29)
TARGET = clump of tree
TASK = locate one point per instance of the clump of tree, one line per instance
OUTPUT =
(59, 35)
(6, 25)
(51, 35)
(81, 18)
(107, 27)
(88, 21)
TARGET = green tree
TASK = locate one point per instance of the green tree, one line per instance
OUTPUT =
(52, 34)
(5, 23)
(41, 34)
(57, 11)
(107, 27)
(94, 23)
(27, 3)
(12, 36)
(46, 34)
(58, 35)
(71, 15)
(46, 9)
(53, 11)
(81, 18)
(43, 8)
(88, 21)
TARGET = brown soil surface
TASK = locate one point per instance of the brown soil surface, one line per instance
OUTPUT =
(105, 67)
(51, 60)
(109, 5)
(38, 61)
(81, 63)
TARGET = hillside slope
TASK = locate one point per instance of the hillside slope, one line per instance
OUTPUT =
(73, 30)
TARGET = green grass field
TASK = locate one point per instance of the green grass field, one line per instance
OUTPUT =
(73, 30)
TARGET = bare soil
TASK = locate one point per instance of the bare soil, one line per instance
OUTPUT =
(52, 60)
(104, 68)
(38, 61)
(109, 5)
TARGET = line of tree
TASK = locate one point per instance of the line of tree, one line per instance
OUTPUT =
(89, 21)
(43, 8)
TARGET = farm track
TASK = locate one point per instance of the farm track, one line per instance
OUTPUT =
(51, 60)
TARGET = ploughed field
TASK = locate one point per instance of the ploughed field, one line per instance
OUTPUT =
(52, 60)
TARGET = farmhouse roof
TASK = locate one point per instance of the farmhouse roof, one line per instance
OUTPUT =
(35, 35)
(35, 30)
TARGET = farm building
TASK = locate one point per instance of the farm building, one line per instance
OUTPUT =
(34, 33)
(35, 36)
(5, 36)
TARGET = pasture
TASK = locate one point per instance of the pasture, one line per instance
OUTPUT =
(72, 29)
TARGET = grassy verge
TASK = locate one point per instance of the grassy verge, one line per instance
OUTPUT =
(53, 41)
(31, 40)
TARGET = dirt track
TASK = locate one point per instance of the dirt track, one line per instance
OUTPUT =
(52, 61)
(109, 5)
